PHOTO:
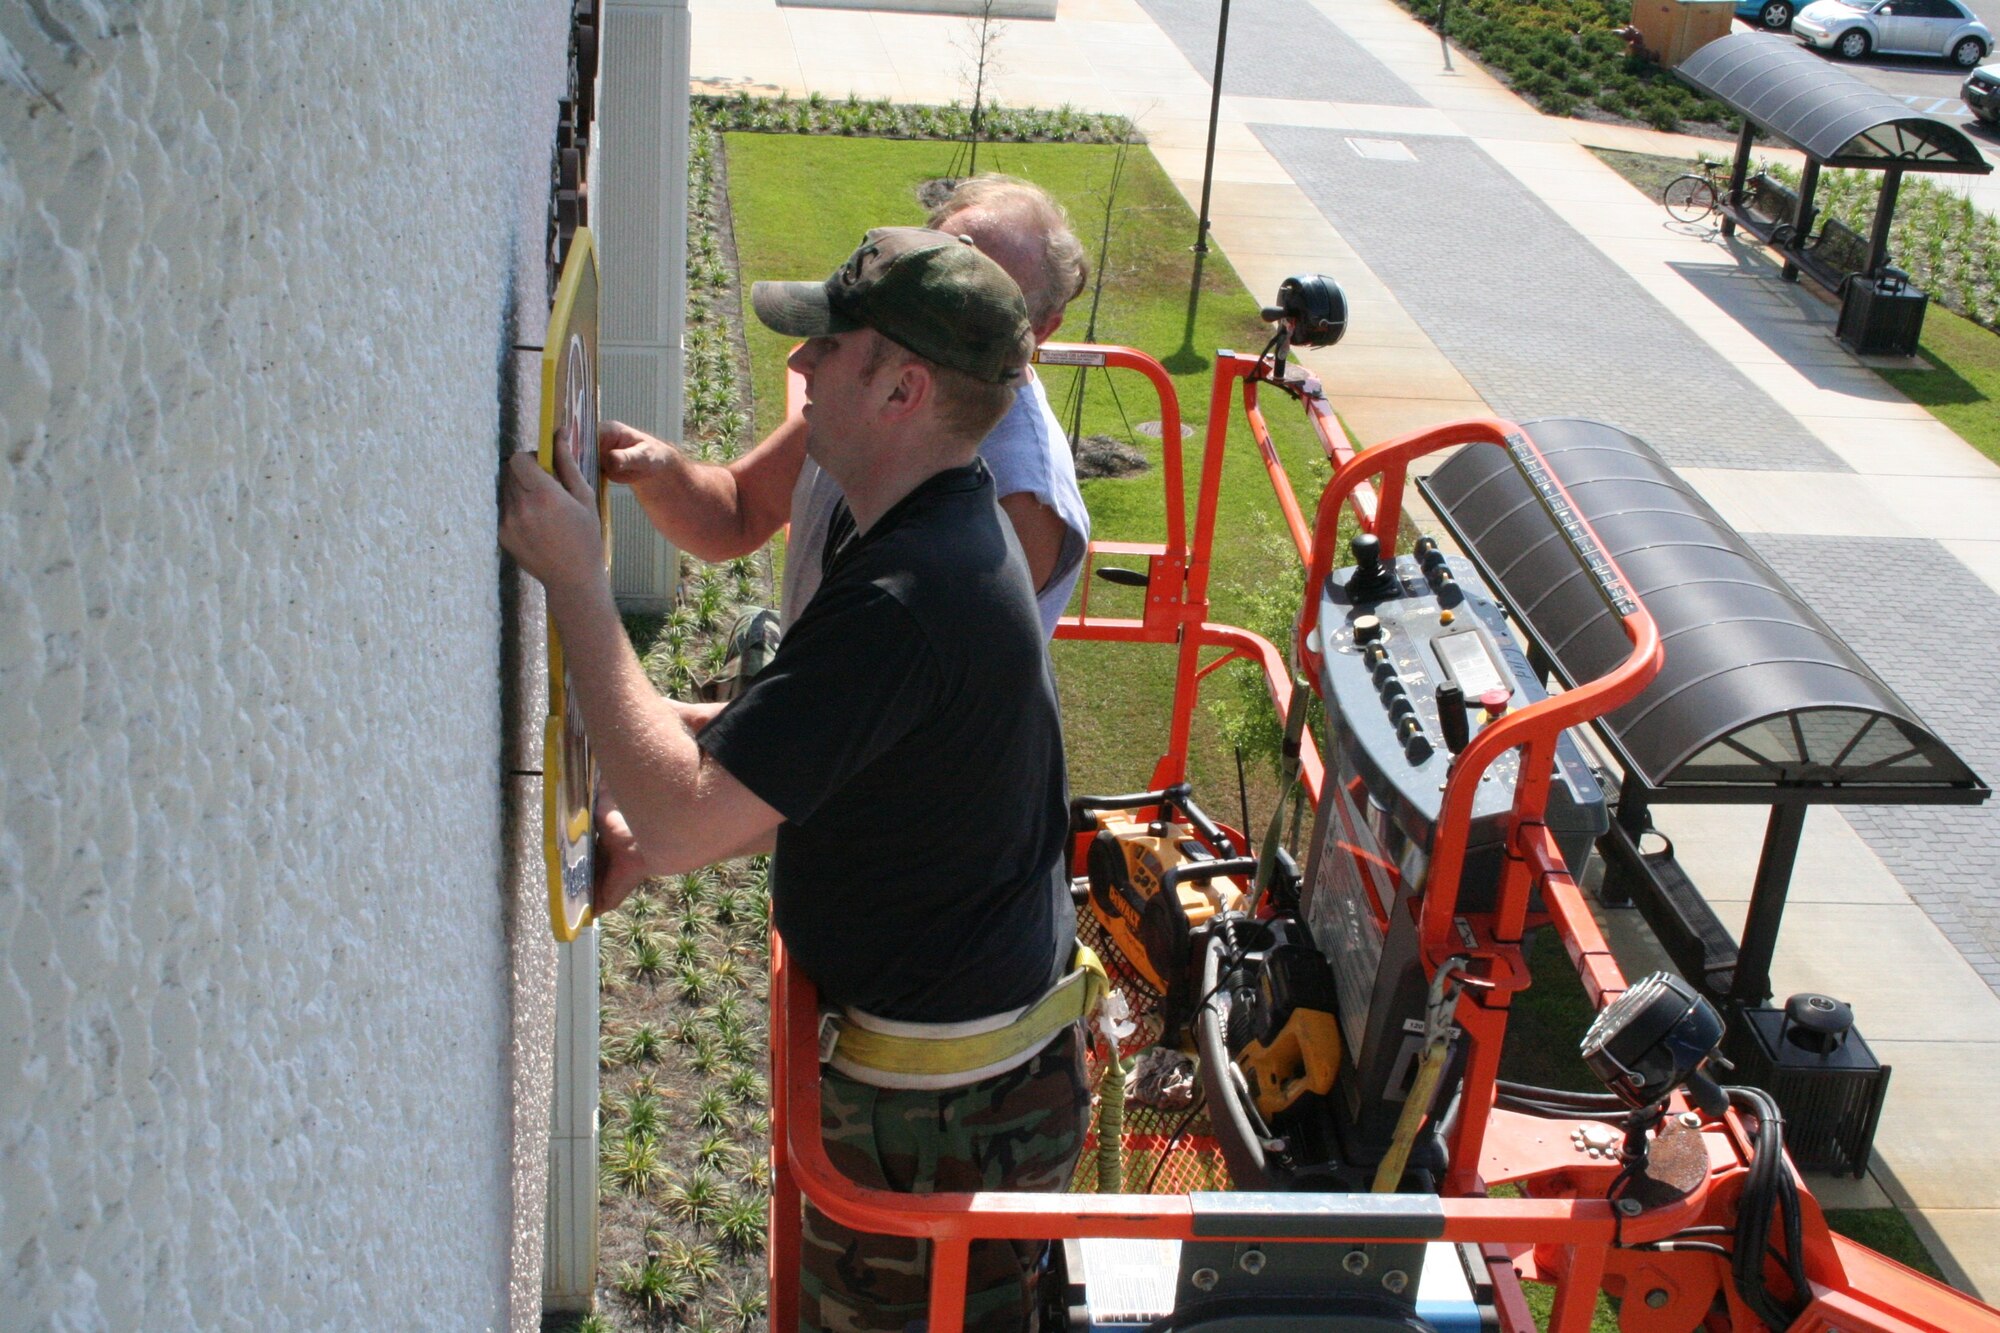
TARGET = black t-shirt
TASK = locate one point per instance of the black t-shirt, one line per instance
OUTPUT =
(907, 730)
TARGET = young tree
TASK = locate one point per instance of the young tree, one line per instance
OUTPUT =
(980, 48)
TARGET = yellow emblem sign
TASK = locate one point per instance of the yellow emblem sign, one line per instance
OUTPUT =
(569, 422)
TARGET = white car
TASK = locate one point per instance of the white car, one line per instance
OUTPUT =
(1853, 28)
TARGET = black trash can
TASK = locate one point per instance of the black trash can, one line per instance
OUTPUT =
(1882, 315)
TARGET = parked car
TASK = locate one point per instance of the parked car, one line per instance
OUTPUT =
(1775, 15)
(1982, 93)
(1853, 28)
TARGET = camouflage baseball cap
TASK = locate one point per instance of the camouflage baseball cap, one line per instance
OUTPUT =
(929, 291)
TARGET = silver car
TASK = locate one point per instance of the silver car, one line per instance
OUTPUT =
(1853, 28)
(1982, 93)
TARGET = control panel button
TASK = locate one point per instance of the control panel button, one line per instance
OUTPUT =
(1495, 702)
(1367, 629)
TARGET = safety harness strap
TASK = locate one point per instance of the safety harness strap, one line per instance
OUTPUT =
(948, 1055)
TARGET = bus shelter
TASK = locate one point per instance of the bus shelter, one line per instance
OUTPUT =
(1834, 119)
(1760, 702)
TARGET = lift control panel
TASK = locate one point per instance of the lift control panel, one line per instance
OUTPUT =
(1417, 659)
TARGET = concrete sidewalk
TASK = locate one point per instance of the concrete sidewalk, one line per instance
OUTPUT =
(1493, 263)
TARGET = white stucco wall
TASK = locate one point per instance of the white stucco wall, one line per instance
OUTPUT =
(260, 266)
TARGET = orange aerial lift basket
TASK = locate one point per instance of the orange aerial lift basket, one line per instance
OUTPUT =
(1392, 1179)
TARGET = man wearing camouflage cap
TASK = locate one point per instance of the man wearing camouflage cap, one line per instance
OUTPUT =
(905, 749)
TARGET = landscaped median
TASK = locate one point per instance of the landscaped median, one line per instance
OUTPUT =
(1569, 58)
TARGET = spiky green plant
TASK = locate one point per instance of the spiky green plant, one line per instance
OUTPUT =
(632, 1163)
(693, 982)
(641, 1044)
(728, 971)
(622, 929)
(655, 1285)
(726, 1015)
(731, 904)
(746, 1304)
(696, 1198)
(698, 1261)
(696, 887)
(706, 1058)
(691, 919)
(644, 1114)
(648, 958)
(740, 1048)
(740, 1224)
(715, 1150)
(744, 1085)
(711, 1109)
(690, 951)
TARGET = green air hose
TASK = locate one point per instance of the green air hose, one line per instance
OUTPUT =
(1111, 1123)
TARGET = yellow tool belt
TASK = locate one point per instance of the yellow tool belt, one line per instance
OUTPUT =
(888, 1053)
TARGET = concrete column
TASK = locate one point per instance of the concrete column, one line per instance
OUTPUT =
(569, 1267)
(640, 209)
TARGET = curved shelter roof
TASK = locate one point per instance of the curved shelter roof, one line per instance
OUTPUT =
(1757, 695)
(1822, 110)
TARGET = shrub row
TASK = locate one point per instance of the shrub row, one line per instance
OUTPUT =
(883, 119)
(1566, 56)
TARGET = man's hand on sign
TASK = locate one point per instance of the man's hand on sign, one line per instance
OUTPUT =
(550, 524)
(631, 456)
(621, 865)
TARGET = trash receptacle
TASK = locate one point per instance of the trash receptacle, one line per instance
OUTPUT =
(1882, 315)
(1672, 30)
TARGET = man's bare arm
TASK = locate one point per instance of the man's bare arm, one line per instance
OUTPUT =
(711, 511)
(683, 808)
(1041, 531)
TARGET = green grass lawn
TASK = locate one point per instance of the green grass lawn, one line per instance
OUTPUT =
(1963, 389)
(800, 205)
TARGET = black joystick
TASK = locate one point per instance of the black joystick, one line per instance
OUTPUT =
(1451, 716)
(1371, 581)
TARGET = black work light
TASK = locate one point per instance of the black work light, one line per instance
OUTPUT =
(1313, 309)
(1654, 1038)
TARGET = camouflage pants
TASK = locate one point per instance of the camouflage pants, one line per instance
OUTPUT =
(1021, 1130)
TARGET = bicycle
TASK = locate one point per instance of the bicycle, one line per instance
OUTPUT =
(1694, 195)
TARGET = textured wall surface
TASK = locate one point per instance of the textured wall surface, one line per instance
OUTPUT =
(261, 992)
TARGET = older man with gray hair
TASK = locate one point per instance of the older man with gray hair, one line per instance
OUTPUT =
(717, 512)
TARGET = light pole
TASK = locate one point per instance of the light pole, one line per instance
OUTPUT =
(1214, 111)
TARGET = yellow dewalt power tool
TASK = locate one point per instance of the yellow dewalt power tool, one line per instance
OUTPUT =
(1159, 870)
(1287, 1042)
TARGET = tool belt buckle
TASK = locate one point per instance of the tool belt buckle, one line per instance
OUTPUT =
(829, 1033)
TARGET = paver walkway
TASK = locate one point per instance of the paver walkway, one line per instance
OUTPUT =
(1464, 298)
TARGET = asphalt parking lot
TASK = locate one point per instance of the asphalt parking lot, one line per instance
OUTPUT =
(1929, 87)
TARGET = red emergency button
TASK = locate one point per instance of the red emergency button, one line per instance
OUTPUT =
(1494, 701)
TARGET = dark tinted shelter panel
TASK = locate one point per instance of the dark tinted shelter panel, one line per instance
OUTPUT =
(1757, 693)
(1822, 110)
